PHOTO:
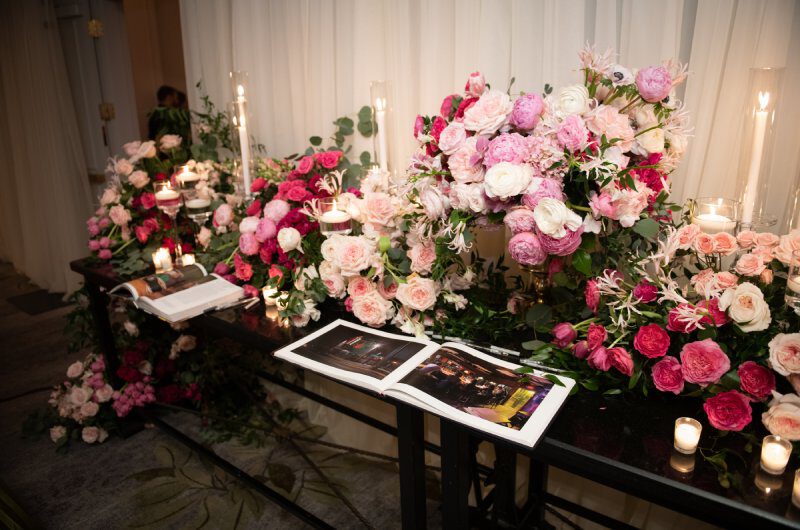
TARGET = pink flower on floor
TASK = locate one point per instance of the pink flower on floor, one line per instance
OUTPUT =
(668, 375)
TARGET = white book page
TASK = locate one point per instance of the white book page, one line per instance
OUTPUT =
(333, 350)
(455, 387)
(194, 300)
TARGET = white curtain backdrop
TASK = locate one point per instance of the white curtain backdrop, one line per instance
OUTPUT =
(44, 197)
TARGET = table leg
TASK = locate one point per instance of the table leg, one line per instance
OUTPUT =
(456, 475)
(505, 478)
(411, 452)
(98, 305)
(537, 488)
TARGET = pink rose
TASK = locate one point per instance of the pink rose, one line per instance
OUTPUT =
(607, 120)
(352, 255)
(766, 276)
(621, 360)
(419, 125)
(465, 164)
(725, 243)
(756, 380)
(526, 249)
(687, 235)
(148, 200)
(388, 292)
(767, 239)
(563, 334)
(728, 411)
(784, 353)
(527, 111)
(750, 265)
(602, 205)
(726, 280)
(223, 215)
(654, 83)
(783, 416)
(713, 315)
(244, 271)
(452, 138)
(596, 335)
(266, 229)
(359, 286)
(599, 359)
(677, 321)
(645, 291)
(520, 220)
(704, 362)
(104, 254)
(377, 208)
(542, 188)
(651, 341)
(704, 244)
(746, 239)
(417, 293)
(422, 258)
(476, 84)
(511, 147)
(305, 165)
(119, 215)
(573, 134)
(90, 434)
(581, 349)
(142, 234)
(258, 185)
(248, 244)
(372, 309)
(668, 375)
(94, 245)
(328, 159)
(564, 246)
(489, 113)
(592, 295)
(276, 210)
(446, 109)
(298, 194)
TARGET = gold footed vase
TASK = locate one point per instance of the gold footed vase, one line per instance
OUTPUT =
(536, 281)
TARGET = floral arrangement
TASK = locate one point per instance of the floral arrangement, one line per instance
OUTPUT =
(580, 169)
(702, 316)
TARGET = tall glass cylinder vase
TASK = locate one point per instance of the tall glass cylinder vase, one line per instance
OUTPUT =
(756, 148)
(241, 128)
(379, 96)
(791, 214)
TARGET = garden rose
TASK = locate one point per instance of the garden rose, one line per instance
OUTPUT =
(75, 370)
(563, 334)
(527, 111)
(90, 434)
(592, 295)
(352, 254)
(452, 138)
(756, 380)
(541, 188)
(783, 416)
(417, 293)
(464, 164)
(686, 236)
(728, 411)
(328, 159)
(289, 239)
(388, 292)
(223, 215)
(378, 208)
(725, 243)
(573, 134)
(750, 265)
(621, 360)
(668, 375)
(511, 147)
(170, 141)
(745, 304)
(572, 99)
(526, 249)
(249, 225)
(335, 284)
(57, 433)
(520, 220)
(645, 291)
(248, 244)
(596, 335)
(704, 362)
(276, 209)
(359, 286)
(138, 179)
(784, 353)
(505, 180)
(422, 258)
(372, 309)
(476, 84)
(608, 121)
(651, 341)
(489, 113)
(653, 83)
(266, 229)
(553, 218)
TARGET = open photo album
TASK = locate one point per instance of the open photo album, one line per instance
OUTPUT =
(450, 380)
(179, 294)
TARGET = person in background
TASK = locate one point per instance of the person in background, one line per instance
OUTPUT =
(171, 115)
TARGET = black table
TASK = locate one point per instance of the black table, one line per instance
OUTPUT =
(622, 443)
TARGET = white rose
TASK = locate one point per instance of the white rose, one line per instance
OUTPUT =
(554, 218)
(328, 251)
(783, 416)
(784, 353)
(489, 113)
(89, 409)
(310, 312)
(79, 395)
(434, 202)
(75, 370)
(289, 239)
(304, 279)
(327, 268)
(745, 304)
(131, 148)
(573, 99)
(104, 393)
(186, 342)
(57, 433)
(505, 180)
(90, 434)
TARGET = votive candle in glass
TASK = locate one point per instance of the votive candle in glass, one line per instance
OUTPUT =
(687, 435)
(334, 217)
(714, 214)
(775, 453)
(162, 260)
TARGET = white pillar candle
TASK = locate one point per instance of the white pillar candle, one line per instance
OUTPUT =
(775, 453)
(334, 215)
(245, 143)
(687, 435)
(197, 204)
(383, 154)
(756, 154)
(793, 284)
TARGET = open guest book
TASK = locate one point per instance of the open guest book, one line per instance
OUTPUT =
(179, 294)
(450, 380)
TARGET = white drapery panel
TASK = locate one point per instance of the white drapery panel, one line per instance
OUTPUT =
(45, 197)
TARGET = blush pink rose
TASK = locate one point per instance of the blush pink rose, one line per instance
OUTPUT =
(728, 411)
(452, 138)
(607, 120)
(527, 111)
(465, 164)
(390, 292)
(377, 208)
(223, 215)
(784, 353)
(668, 375)
(248, 244)
(526, 249)
(372, 309)
(767, 239)
(573, 134)
(511, 147)
(756, 380)
(417, 293)
(335, 285)
(746, 239)
(750, 265)
(725, 243)
(520, 220)
(422, 258)
(564, 246)
(621, 360)
(476, 84)
(359, 286)
(651, 341)
(726, 279)
(704, 244)
(704, 362)
(686, 236)
(353, 255)
(654, 83)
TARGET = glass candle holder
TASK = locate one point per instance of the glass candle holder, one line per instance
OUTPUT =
(168, 199)
(796, 489)
(334, 217)
(714, 214)
(687, 435)
(793, 283)
(775, 453)
(162, 260)
(379, 95)
(185, 178)
(198, 208)
(682, 462)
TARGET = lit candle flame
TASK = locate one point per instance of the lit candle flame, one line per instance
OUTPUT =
(763, 100)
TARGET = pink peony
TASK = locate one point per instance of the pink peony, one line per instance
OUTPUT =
(265, 230)
(526, 249)
(621, 360)
(563, 334)
(728, 411)
(465, 164)
(654, 83)
(592, 296)
(651, 341)
(248, 244)
(668, 375)
(756, 380)
(104, 254)
(276, 210)
(573, 134)
(520, 220)
(94, 245)
(328, 159)
(646, 292)
(564, 246)
(527, 111)
(704, 362)
(511, 147)
(602, 205)
(476, 84)
(244, 271)
(596, 335)
(541, 188)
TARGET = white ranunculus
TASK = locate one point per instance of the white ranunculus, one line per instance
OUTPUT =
(289, 239)
(573, 99)
(554, 218)
(505, 180)
(745, 304)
